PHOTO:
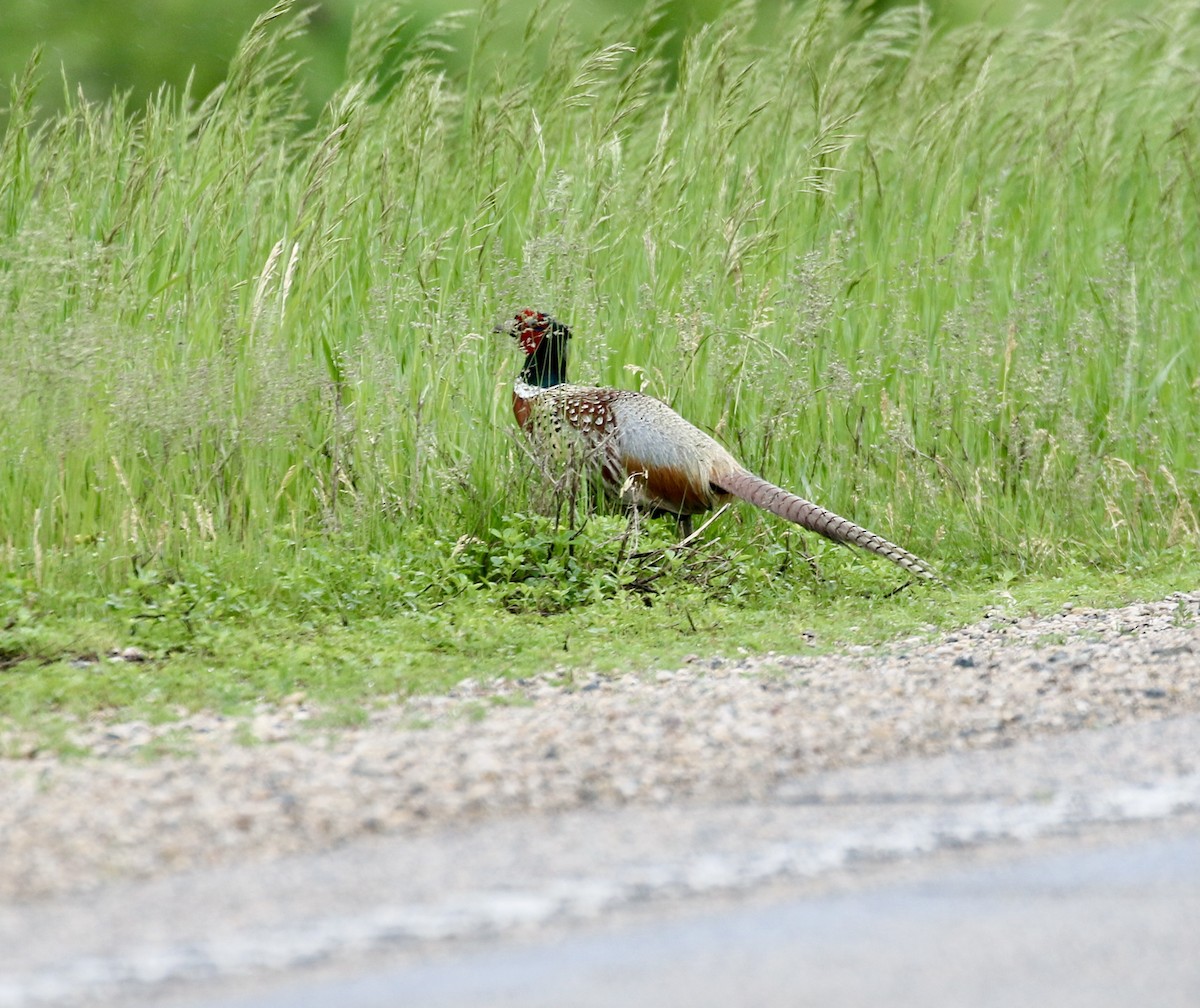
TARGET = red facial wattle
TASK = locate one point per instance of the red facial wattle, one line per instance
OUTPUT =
(531, 327)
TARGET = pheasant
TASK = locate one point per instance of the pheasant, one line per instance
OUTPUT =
(642, 445)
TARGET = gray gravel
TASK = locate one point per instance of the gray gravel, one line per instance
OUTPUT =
(715, 730)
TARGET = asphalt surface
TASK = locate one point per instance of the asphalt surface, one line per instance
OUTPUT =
(1058, 871)
(1107, 928)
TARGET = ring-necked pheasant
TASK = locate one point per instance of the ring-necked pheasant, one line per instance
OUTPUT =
(639, 443)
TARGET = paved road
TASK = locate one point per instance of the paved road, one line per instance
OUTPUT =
(1109, 928)
(973, 878)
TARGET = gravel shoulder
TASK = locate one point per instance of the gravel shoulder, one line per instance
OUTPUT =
(715, 730)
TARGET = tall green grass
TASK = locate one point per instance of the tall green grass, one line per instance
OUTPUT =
(942, 281)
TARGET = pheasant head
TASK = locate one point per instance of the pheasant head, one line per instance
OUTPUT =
(544, 340)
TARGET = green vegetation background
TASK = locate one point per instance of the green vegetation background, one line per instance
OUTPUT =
(939, 277)
(137, 46)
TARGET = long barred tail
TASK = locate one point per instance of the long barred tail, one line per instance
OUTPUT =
(817, 519)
